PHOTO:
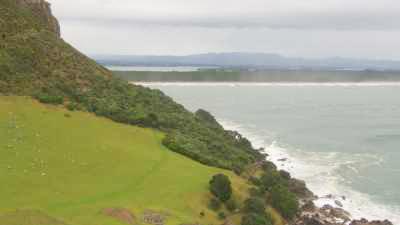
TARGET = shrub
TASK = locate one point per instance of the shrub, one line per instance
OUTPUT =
(221, 215)
(72, 106)
(214, 204)
(231, 205)
(284, 174)
(271, 179)
(49, 99)
(284, 201)
(255, 181)
(254, 205)
(268, 166)
(220, 187)
(256, 219)
(256, 192)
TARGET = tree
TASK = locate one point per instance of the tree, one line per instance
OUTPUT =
(271, 179)
(231, 205)
(214, 204)
(220, 187)
(284, 201)
(254, 205)
(256, 219)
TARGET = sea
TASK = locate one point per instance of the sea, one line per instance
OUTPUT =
(343, 139)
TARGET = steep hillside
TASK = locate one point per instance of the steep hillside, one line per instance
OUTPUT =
(76, 167)
(34, 61)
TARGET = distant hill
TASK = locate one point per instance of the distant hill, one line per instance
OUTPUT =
(249, 60)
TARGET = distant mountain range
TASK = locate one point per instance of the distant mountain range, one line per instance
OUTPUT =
(249, 61)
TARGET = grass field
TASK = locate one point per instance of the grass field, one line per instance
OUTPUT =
(71, 165)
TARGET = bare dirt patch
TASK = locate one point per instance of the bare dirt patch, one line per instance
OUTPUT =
(121, 214)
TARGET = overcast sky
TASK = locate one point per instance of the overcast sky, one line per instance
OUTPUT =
(306, 28)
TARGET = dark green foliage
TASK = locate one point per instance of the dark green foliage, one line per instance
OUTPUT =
(271, 179)
(268, 166)
(254, 205)
(72, 106)
(231, 205)
(221, 216)
(33, 57)
(256, 219)
(257, 192)
(49, 99)
(255, 181)
(207, 118)
(284, 201)
(220, 187)
(284, 174)
(214, 204)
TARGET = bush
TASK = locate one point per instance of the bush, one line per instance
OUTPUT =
(255, 181)
(50, 99)
(231, 205)
(221, 215)
(220, 187)
(268, 166)
(256, 219)
(254, 205)
(72, 106)
(284, 174)
(256, 192)
(271, 179)
(284, 201)
(214, 204)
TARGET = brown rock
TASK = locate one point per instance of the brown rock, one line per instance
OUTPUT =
(299, 188)
(366, 222)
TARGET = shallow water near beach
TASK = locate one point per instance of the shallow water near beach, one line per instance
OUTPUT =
(343, 140)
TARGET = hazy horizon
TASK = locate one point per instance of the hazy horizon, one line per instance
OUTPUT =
(309, 29)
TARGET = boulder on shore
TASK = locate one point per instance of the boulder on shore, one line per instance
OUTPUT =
(366, 222)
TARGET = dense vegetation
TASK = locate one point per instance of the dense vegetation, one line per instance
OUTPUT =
(35, 62)
(273, 186)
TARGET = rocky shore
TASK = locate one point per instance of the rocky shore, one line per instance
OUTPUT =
(310, 214)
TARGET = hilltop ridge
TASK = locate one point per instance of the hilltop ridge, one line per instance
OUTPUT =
(42, 10)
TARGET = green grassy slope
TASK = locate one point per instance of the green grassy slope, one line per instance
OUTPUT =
(34, 61)
(71, 165)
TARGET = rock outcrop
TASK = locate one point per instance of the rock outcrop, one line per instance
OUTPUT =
(299, 188)
(42, 10)
(329, 215)
(366, 222)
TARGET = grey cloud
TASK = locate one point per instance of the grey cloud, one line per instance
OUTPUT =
(294, 14)
(315, 20)
(305, 28)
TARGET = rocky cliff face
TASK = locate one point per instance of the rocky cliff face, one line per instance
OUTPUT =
(42, 10)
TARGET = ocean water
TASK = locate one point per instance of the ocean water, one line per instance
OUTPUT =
(343, 139)
(158, 69)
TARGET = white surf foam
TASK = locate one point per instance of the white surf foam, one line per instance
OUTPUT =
(319, 170)
(283, 84)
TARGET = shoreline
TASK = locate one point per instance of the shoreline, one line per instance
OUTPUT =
(347, 200)
(269, 84)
